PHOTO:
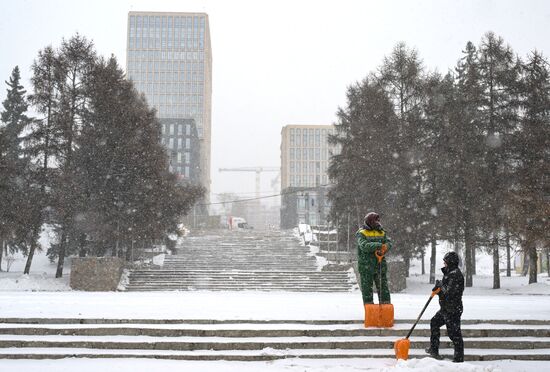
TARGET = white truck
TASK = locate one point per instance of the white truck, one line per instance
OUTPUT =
(237, 223)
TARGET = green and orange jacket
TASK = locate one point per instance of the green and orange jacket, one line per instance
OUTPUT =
(369, 240)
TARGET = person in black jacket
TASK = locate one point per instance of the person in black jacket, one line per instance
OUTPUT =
(450, 300)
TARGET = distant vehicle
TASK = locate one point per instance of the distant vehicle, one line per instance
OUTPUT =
(305, 233)
(238, 223)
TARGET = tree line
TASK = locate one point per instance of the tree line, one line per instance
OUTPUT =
(462, 156)
(89, 163)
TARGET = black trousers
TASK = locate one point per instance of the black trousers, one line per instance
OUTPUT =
(452, 322)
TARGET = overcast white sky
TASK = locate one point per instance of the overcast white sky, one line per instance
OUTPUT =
(278, 62)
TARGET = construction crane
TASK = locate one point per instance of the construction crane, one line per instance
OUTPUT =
(258, 170)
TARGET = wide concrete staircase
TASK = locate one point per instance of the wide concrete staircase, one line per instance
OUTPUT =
(257, 340)
(241, 260)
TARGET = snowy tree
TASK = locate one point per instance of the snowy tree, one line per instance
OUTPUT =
(498, 113)
(531, 155)
(16, 194)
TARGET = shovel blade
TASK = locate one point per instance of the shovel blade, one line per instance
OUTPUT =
(401, 348)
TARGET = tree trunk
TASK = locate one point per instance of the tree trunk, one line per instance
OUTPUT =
(61, 260)
(525, 267)
(508, 255)
(473, 258)
(468, 260)
(1, 253)
(423, 254)
(432, 261)
(34, 241)
(532, 260)
(496, 263)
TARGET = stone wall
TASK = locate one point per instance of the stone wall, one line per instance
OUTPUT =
(96, 273)
(397, 280)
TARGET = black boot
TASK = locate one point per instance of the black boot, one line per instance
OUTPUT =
(434, 354)
(458, 357)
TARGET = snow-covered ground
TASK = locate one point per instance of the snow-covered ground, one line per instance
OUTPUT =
(289, 365)
(515, 300)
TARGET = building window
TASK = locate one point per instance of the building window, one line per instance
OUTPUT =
(291, 154)
(187, 143)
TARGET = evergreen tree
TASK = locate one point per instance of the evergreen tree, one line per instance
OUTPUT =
(402, 77)
(531, 144)
(366, 131)
(465, 150)
(73, 63)
(14, 169)
(126, 191)
(41, 141)
(498, 119)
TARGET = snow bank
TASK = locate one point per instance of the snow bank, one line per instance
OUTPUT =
(289, 365)
(33, 282)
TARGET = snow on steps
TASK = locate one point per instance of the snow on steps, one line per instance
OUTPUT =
(233, 261)
(256, 340)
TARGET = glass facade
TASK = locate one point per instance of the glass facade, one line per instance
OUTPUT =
(169, 60)
(308, 156)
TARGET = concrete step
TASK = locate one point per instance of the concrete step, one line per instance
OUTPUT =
(252, 343)
(249, 330)
(260, 355)
(234, 288)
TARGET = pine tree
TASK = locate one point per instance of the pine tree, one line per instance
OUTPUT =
(14, 168)
(530, 144)
(466, 148)
(126, 191)
(73, 64)
(366, 131)
(499, 116)
(402, 77)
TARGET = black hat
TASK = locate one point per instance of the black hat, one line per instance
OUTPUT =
(451, 259)
(372, 219)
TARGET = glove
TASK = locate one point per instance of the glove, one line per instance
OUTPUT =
(437, 285)
(383, 249)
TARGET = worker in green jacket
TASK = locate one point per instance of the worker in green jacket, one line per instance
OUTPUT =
(372, 240)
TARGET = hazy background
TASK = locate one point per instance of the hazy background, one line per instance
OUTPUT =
(279, 62)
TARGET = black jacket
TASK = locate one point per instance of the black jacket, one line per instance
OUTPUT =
(452, 287)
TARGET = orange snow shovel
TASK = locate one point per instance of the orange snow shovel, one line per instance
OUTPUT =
(402, 346)
(380, 315)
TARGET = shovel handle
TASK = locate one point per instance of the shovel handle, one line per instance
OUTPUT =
(379, 257)
(422, 312)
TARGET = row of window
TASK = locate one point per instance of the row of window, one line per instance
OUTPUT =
(308, 167)
(309, 154)
(180, 170)
(176, 128)
(150, 87)
(176, 143)
(167, 77)
(170, 99)
(180, 112)
(308, 180)
(158, 43)
(157, 21)
(158, 55)
(160, 66)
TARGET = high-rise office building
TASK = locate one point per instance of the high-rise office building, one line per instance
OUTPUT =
(169, 59)
(305, 155)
